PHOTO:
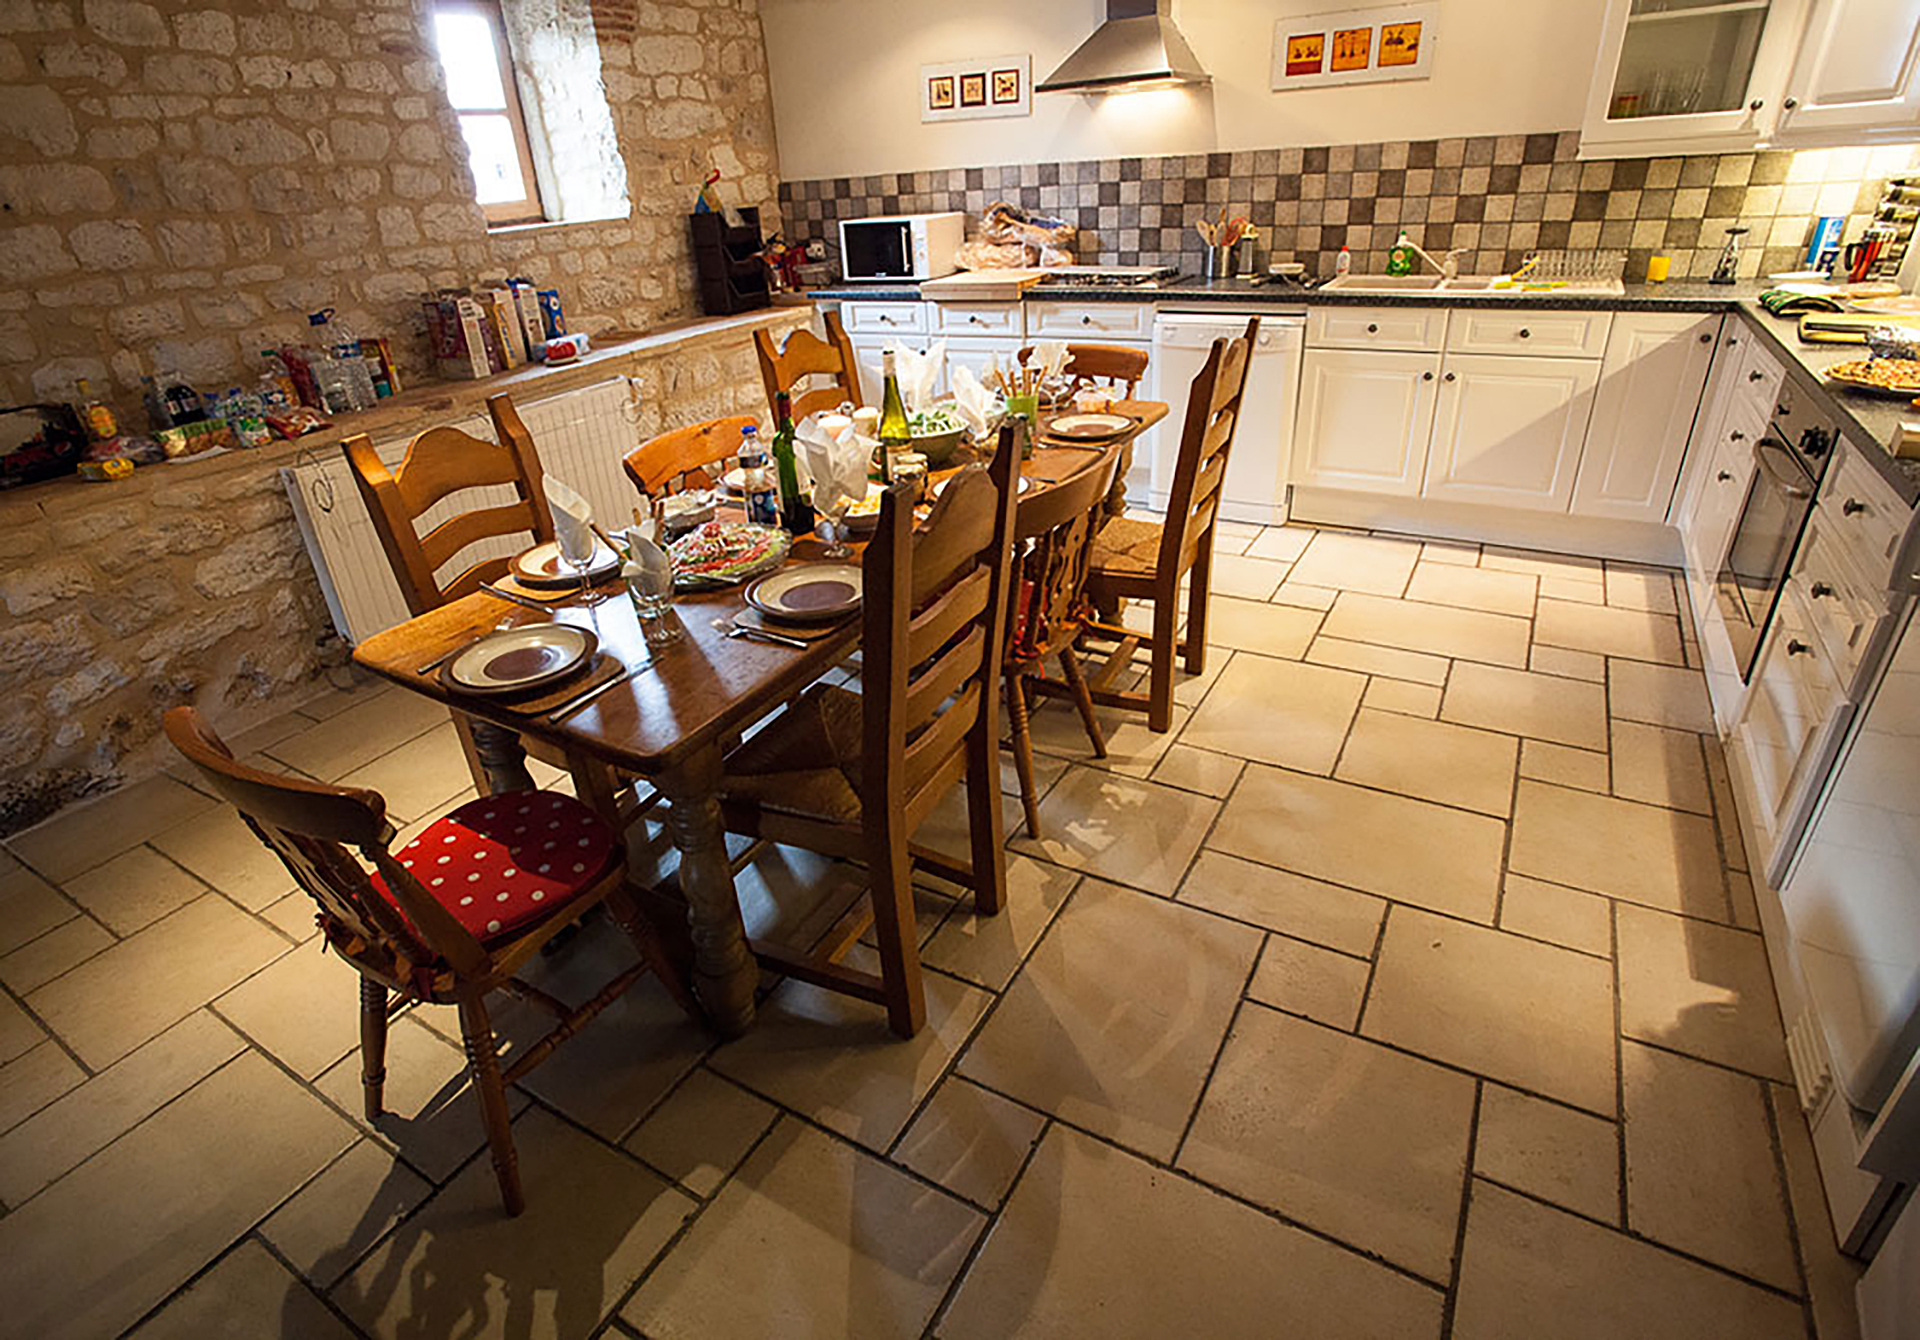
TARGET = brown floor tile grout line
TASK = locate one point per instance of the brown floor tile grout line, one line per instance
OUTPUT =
(1240, 1002)
(1619, 1063)
(959, 1280)
(1451, 1303)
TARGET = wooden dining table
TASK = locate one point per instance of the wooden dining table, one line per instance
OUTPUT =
(671, 722)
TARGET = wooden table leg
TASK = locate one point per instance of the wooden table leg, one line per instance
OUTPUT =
(724, 973)
(502, 756)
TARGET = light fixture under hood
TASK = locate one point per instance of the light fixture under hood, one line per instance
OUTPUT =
(1136, 47)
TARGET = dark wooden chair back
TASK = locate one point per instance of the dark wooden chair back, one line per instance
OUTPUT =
(1112, 365)
(1213, 413)
(807, 355)
(310, 826)
(679, 459)
(439, 462)
(1060, 522)
(934, 615)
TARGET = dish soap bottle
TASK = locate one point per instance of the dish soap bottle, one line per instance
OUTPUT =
(1343, 263)
(1400, 260)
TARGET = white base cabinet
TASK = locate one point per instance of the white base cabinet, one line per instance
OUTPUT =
(1651, 383)
(1507, 430)
(1366, 416)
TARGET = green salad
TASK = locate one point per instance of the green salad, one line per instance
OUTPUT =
(935, 420)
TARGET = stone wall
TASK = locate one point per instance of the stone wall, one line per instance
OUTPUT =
(180, 184)
(189, 582)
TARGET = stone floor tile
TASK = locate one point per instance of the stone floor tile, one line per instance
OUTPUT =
(1391, 662)
(594, 1220)
(1461, 552)
(1046, 771)
(1620, 848)
(1093, 1232)
(329, 1224)
(118, 999)
(133, 890)
(1661, 695)
(1286, 713)
(1200, 770)
(1402, 849)
(1269, 629)
(1281, 543)
(29, 908)
(833, 1059)
(1118, 1014)
(248, 1295)
(1530, 1270)
(860, 1250)
(82, 836)
(1567, 567)
(1497, 639)
(418, 776)
(1658, 766)
(358, 735)
(1530, 1014)
(432, 1115)
(294, 916)
(1701, 1175)
(1640, 588)
(34, 1079)
(1118, 828)
(1520, 702)
(1397, 695)
(1301, 596)
(1556, 1153)
(339, 691)
(1746, 913)
(18, 1032)
(1568, 663)
(1607, 631)
(60, 950)
(1573, 591)
(302, 1009)
(220, 848)
(1357, 563)
(92, 1115)
(701, 1132)
(1363, 1143)
(1473, 588)
(1132, 749)
(1563, 765)
(1306, 909)
(1307, 980)
(1726, 817)
(970, 1140)
(1697, 988)
(1831, 1278)
(1431, 760)
(1556, 914)
(231, 1148)
(1245, 578)
(987, 951)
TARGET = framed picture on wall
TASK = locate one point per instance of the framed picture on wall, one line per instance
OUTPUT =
(964, 90)
(1355, 46)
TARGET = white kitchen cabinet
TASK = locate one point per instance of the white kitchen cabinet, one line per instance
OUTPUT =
(978, 355)
(1365, 418)
(1507, 430)
(867, 353)
(1706, 526)
(1856, 75)
(1651, 382)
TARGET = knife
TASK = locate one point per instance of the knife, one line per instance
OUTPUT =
(515, 598)
(574, 704)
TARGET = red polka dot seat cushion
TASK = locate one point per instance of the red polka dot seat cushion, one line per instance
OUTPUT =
(502, 863)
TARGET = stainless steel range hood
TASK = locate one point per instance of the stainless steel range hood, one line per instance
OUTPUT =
(1138, 44)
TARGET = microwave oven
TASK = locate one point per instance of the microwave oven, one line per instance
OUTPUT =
(901, 246)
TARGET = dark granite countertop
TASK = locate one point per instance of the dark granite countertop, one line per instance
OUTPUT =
(1868, 421)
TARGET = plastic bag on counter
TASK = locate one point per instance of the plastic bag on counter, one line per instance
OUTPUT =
(1010, 237)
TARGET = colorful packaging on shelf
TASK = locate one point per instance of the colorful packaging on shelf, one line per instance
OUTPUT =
(386, 375)
(506, 319)
(553, 321)
(566, 348)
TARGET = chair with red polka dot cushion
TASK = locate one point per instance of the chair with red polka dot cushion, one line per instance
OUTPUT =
(501, 863)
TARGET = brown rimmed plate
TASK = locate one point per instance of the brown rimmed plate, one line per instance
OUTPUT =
(1087, 427)
(519, 660)
(542, 566)
(808, 592)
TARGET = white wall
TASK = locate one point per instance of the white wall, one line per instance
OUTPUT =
(846, 82)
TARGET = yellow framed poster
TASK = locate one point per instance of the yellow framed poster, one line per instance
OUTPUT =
(1352, 48)
(1305, 53)
(1355, 46)
(1400, 44)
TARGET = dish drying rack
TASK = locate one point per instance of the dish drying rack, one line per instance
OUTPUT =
(1574, 267)
(1896, 215)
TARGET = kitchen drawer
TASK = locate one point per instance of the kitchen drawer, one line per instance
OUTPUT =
(978, 318)
(1758, 382)
(1089, 320)
(884, 318)
(1545, 334)
(1410, 328)
(1865, 517)
(1843, 610)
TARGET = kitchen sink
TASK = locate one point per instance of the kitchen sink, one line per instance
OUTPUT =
(1384, 284)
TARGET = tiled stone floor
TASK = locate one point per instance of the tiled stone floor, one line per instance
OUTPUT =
(1411, 988)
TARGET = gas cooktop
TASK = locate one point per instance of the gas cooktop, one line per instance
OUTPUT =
(1108, 276)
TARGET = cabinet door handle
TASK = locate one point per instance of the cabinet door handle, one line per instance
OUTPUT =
(1449, 376)
(1820, 591)
(1373, 328)
(1736, 436)
(1756, 104)
(1795, 647)
(1707, 338)
(1732, 340)
(1426, 376)
(975, 321)
(1725, 476)
(1525, 334)
(1756, 376)
(1791, 103)
(1852, 507)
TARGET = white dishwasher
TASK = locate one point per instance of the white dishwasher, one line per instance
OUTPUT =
(1256, 487)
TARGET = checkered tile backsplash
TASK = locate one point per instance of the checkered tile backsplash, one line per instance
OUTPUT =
(1498, 197)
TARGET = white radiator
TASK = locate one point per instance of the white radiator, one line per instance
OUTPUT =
(580, 437)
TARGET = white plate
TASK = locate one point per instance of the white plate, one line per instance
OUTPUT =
(1088, 427)
(543, 566)
(940, 485)
(808, 592)
(515, 660)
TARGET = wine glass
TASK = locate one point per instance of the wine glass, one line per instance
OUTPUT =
(577, 547)
(832, 502)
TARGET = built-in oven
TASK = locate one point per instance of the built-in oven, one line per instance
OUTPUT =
(1790, 457)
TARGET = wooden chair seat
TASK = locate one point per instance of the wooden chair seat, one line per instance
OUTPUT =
(1127, 546)
(806, 761)
(502, 864)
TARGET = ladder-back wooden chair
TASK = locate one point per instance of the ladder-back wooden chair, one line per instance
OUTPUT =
(448, 918)
(1117, 370)
(807, 355)
(852, 775)
(669, 463)
(1144, 560)
(1058, 525)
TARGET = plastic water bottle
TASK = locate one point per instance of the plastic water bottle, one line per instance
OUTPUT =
(757, 480)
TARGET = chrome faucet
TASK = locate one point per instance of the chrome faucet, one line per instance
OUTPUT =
(1447, 269)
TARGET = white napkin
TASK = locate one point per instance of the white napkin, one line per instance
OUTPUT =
(919, 373)
(838, 463)
(1049, 358)
(647, 563)
(973, 402)
(572, 518)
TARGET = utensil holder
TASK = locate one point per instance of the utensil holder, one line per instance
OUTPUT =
(1218, 262)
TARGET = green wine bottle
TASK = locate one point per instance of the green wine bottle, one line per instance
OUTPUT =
(895, 435)
(796, 513)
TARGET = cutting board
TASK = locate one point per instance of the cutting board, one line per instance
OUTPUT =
(982, 286)
(1846, 327)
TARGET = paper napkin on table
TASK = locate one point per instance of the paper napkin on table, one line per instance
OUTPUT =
(919, 373)
(974, 403)
(1049, 358)
(572, 517)
(838, 462)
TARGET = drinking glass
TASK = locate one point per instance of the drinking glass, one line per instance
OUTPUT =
(579, 557)
(833, 524)
(651, 591)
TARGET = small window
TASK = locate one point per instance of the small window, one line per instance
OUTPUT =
(486, 98)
